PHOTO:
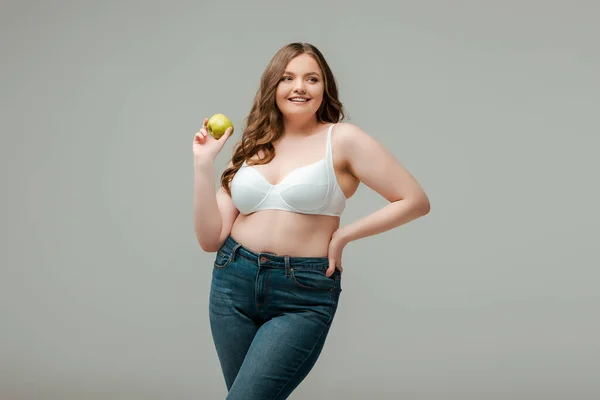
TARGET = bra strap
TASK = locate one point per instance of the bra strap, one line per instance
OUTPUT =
(328, 146)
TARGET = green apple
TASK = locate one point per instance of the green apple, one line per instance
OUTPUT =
(217, 125)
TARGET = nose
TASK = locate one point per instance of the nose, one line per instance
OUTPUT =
(299, 86)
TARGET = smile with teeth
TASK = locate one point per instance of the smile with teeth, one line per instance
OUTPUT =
(299, 99)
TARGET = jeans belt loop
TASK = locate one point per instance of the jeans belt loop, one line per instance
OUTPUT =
(287, 266)
(235, 248)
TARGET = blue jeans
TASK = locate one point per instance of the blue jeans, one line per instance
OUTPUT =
(269, 318)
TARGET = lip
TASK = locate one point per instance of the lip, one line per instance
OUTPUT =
(299, 97)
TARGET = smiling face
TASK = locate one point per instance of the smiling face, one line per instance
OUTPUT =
(300, 90)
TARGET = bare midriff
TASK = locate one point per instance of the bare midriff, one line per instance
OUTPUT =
(285, 233)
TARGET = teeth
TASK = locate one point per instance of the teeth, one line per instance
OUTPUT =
(298, 99)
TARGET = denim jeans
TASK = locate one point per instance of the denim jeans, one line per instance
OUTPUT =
(269, 317)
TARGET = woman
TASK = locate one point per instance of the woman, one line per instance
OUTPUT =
(274, 222)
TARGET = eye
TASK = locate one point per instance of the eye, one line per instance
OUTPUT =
(286, 78)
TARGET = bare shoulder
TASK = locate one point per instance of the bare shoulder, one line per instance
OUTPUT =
(374, 165)
(349, 139)
(346, 130)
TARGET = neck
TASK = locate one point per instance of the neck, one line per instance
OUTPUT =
(300, 127)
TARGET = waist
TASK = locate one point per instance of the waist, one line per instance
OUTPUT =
(231, 245)
(285, 233)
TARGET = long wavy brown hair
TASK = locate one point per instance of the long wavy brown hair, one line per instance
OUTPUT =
(264, 123)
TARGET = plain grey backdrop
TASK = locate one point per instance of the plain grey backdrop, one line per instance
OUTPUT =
(492, 105)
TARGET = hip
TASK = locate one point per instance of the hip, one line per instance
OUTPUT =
(266, 285)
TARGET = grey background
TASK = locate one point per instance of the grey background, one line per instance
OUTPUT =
(492, 105)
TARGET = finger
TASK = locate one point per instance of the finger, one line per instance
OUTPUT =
(199, 137)
(228, 133)
(225, 136)
(204, 123)
(204, 132)
(331, 268)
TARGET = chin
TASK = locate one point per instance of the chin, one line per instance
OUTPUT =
(298, 113)
(295, 111)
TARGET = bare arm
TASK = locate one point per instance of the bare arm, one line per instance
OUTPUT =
(214, 211)
(375, 166)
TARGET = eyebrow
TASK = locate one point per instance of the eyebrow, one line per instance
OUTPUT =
(310, 73)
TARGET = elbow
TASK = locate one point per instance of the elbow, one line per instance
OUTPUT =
(421, 205)
(207, 246)
(210, 249)
(425, 206)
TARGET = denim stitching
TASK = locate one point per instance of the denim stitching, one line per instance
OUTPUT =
(308, 287)
(267, 286)
(307, 356)
(255, 289)
(225, 257)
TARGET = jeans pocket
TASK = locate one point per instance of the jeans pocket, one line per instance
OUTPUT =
(222, 259)
(312, 279)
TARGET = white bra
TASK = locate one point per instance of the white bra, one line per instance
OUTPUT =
(309, 189)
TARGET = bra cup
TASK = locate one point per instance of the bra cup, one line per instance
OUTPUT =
(305, 197)
(248, 197)
(308, 196)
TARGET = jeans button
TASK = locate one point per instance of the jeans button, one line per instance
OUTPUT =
(263, 259)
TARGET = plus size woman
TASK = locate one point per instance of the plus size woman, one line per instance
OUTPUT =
(274, 222)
